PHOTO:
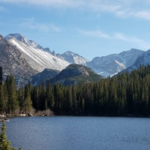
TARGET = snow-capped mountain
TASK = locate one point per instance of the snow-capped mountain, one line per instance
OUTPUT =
(73, 58)
(143, 59)
(112, 64)
(37, 57)
(31, 56)
(22, 39)
(13, 62)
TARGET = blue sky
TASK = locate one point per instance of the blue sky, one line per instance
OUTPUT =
(88, 27)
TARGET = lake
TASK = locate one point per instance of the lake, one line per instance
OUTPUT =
(79, 133)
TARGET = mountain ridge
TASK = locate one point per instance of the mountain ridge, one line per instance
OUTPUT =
(105, 65)
(143, 59)
(75, 74)
(74, 58)
(12, 62)
(38, 59)
(36, 56)
(114, 63)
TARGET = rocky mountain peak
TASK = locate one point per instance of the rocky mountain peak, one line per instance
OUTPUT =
(47, 50)
(17, 36)
(74, 58)
(1, 37)
(35, 55)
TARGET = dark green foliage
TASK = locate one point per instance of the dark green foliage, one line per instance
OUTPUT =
(2, 99)
(4, 144)
(27, 103)
(12, 103)
(50, 97)
(75, 74)
(36, 97)
(21, 97)
(126, 94)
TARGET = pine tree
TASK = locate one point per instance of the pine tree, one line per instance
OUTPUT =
(50, 97)
(4, 144)
(5, 97)
(82, 105)
(21, 97)
(42, 100)
(36, 97)
(13, 103)
(68, 103)
(27, 106)
(2, 99)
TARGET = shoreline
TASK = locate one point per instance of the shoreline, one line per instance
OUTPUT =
(7, 117)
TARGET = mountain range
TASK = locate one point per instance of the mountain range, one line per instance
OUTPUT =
(28, 61)
(13, 62)
(37, 57)
(114, 63)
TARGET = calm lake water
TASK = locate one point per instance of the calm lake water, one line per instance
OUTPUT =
(79, 133)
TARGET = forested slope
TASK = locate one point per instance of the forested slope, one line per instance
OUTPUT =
(124, 95)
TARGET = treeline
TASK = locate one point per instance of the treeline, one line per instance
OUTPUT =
(126, 94)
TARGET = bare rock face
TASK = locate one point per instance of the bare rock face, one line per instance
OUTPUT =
(142, 60)
(30, 62)
(112, 64)
(1, 37)
(73, 58)
(25, 59)
(37, 57)
(12, 62)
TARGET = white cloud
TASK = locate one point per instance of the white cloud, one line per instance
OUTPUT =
(53, 3)
(117, 36)
(43, 27)
(120, 8)
(131, 39)
(143, 15)
(96, 33)
(123, 8)
(101, 6)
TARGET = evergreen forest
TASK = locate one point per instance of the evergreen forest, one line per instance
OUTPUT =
(127, 94)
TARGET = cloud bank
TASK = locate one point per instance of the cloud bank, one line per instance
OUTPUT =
(120, 8)
(117, 36)
(43, 27)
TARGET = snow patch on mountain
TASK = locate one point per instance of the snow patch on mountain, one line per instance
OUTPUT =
(120, 64)
(143, 59)
(22, 39)
(37, 58)
(40, 58)
(17, 36)
(112, 64)
(73, 58)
